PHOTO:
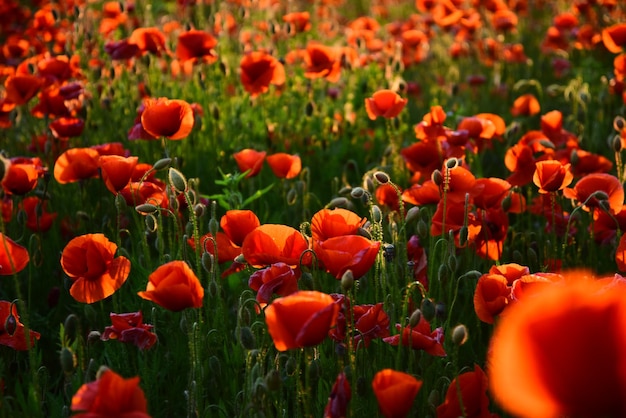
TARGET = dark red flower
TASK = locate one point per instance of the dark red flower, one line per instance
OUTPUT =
(129, 328)
(15, 335)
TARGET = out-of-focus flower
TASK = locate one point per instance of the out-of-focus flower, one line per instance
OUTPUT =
(395, 392)
(284, 166)
(258, 70)
(386, 103)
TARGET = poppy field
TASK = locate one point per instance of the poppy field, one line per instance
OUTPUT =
(262, 208)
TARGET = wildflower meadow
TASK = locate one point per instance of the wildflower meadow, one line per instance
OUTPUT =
(316, 208)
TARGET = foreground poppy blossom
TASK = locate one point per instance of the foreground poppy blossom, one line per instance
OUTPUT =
(169, 118)
(301, 319)
(13, 257)
(90, 263)
(385, 103)
(467, 396)
(328, 223)
(129, 328)
(76, 164)
(348, 252)
(15, 337)
(568, 360)
(110, 396)
(174, 286)
(395, 392)
(117, 171)
(250, 160)
(270, 243)
(258, 70)
(285, 166)
(614, 38)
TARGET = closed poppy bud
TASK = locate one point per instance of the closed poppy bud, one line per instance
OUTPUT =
(428, 309)
(172, 119)
(395, 392)
(10, 324)
(459, 335)
(385, 103)
(174, 286)
(177, 180)
(301, 319)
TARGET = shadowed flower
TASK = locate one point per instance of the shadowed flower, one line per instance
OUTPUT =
(117, 171)
(174, 286)
(471, 388)
(419, 337)
(13, 257)
(89, 261)
(340, 395)
(249, 159)
(322, 62)
(552, 176)
(110, 396)
(347, 252)
(525, 105)
(21, 88)
(272, 243)
(614, 38)
(76, 164)
(285, 166)
(568, 361)
(301, 319)
(278, 278)
(20, 178)
(385, 103)
(129, 328)
(196, 46)
(15, 337)
(37, 218)
(148, 40)
(67, 127)
(594, 188)
(258, 70)
(395, 392)
(169, 118)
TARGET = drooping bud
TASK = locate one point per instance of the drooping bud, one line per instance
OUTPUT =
(162, 164)
(146, 208)
(246, 338)
(412, 214)
(459, 335)
(382, 177)
(437, 178)
(68, 361)
(428, 309)
(415, 318)
(357, 192)
(347, 280)
(377, 214)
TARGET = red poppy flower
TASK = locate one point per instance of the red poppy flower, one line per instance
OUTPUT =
(136, 193)
(226, 249)
(174, 286)
(340, 395)
(270, 243)
(110, 396)
(419, 337)
(20, 178)
(172, 119)
(196, 46)
(76, 164)
(614, 38)
(525, 105)
(494, 228)
(347, 252)
(586, 191)
(370, 322)
(385, 103)
(237, 224)
(301, 319)
(387, 195)
(558, 350)
(21, 88)
(121, 50)
(117, 171)
(467, 396)
(284, 166)
(258, 70)
(426, 193)
(492, 295)
(328, 223)
(38, 219)
(278, 278)
(90, 263)
(13, 257)
(551, 176)
(298, 21)
(422, 158)
(453, 220)
(249, 159)
(15, 337)
(395, 392)
(620, 254)
(129, 328)
(322, 62)
(488, 193)
(148, 40)
(67, 127)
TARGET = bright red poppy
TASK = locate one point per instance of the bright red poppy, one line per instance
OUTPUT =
(110, 396)
(258, 70)
(67, 127)
(272, 243)
(467, 396)
(278, 278)
(395, 392)
(169, 118)
(90, 263)
(328, 223)
(129, 328)
(76, 164)
(284, 166)
(15, 337)
(591, 189)
(348, 252)
(174, 286)
(426, 193)
(21, 88)
(148, 40)
(13, 257)
(298, 22)
(196, 46)
(370, 322)
(117, 171)
(20, 178)
(525, 105)
(386, 103)
(322, 62)
(620, 254)
(237, 224)
(419, 337)
(301, 319)
(551, 176)
(553, 337)
(614, 38)
(250, 160)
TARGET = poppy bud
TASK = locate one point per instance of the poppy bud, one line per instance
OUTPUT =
(452, 163)
(315, 370)
(215, 365)
(428, 309)
(162, 164)
(506, 203)
(93, 336)
(368, 184)
(440, 311)
(70, 327)
(381, 177)
(422, 229)
(437, 178)
(619, 123)
(600, 195)
(463, 235)
(459, 335)
(532, 257)
(291, 366)
(547, 143)
(573, 158)
(347, 280)
(452, 263)
(146, 208)
(272, 380)
(292, 196)
(212, 289)
(434, 398)
(339, 202)
(10, 324)
(68, 361)
(207, 261)
(412, 214)
(213, 226)
(415, 318)
(246, 338)
(177, 180)
(151, 223)
(377, 214)
(517, 257)
(308, 111)
(616, 143)
(357, 192)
